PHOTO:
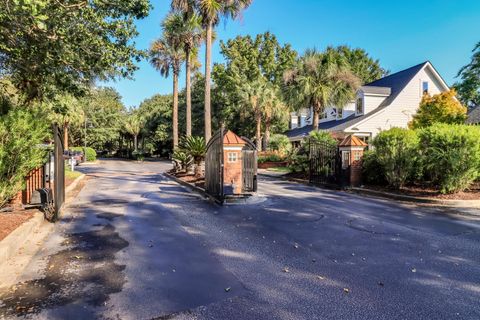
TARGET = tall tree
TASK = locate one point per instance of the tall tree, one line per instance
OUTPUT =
(251, 95)
(272, 107)
(191, 34)
(361, 64)
(133, 126)
(247, 60)
(51, 46)
(211, 11)
(320, 80)
(167, 54)
(469, 86)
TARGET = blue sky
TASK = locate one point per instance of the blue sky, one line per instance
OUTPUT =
(398, 33)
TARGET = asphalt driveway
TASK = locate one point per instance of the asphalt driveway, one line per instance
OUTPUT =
(136, 245)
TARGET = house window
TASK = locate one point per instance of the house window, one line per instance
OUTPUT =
(340, 113)
(232, 157)
(425, 87)
(359, 105)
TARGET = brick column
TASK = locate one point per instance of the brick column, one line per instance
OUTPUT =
(351, 150)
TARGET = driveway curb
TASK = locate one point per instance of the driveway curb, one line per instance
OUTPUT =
(74, 184)
(387, 195)
(401, 197)
(190, 187)
(18, 237)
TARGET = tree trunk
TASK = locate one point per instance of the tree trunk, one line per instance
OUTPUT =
(188, 92)
(135, 142)
(198, 169)
(208, 61)
(258, 135)
(268, 124)
(315, 119)
(175, 110)
(65, 135)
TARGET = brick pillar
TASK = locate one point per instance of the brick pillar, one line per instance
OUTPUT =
(16, 202)
(232, 168)
(351, 150)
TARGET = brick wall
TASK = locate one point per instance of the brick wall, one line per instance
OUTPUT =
(232, 170)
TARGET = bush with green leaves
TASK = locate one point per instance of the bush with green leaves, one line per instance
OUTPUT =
(280, 143)
(397, 153)
(21, 133)
(270, 158)
(372, 170)
(322, 136)
(451, 155)
(90, 153)
(181, 159)
(196, 148)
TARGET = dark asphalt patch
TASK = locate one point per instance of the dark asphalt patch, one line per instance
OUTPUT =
(85, 271)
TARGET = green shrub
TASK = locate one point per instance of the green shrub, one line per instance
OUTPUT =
(396, 151)
(138, 155)
(280, 143)
(451, 154)
(196, 148)
(270, 158)
(90, 153)
(298, 162)
(323, 136)
(372, 171)
(21, 131)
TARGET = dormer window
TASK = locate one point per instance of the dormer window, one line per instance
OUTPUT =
(359, 106)
(425, 87)
(340, 113)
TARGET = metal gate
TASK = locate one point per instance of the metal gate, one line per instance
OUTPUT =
(214, 166)
(249, 166)
(59, 171)
(325, 163)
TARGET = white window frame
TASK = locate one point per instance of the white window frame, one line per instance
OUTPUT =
(362, 110)
(232, 157)
(423, 87)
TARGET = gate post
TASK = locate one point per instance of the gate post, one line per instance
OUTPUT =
(59, 171)
(351, 152)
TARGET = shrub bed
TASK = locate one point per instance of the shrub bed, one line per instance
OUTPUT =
(443, 157)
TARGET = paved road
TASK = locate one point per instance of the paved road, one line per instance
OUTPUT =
(135, 245)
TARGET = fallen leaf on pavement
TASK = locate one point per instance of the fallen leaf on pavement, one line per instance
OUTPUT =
(321, 278)
(380, 284)
(228, 289)
(414, 270)
(346, 290)
(286, 270)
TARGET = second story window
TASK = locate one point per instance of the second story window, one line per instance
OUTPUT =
(340, 113)
(425, 87)
(359, 106)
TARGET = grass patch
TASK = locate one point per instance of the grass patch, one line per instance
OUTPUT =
(280, 169)
(72, 175)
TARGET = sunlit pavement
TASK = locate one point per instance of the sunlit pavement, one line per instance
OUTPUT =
(135, 245)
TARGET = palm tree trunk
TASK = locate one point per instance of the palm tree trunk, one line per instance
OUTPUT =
(258, 135)
(268, 123)
(188, 92)
(208, 61)
(135, 142)
(175, 110)
(315, 119)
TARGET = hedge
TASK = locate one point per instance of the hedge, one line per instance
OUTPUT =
(451, 155)
(21, 132)
(397, 153)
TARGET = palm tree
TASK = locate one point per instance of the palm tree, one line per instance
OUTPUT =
(272, 107)
(196, 148)
(187, 30)
(210, 11)
(167, 54)
(133, 126)
(320, 80)
(251, 94)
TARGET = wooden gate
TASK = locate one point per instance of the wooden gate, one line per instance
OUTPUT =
(249, 166)
(59, 171)
(325, 167)
(214, 166)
